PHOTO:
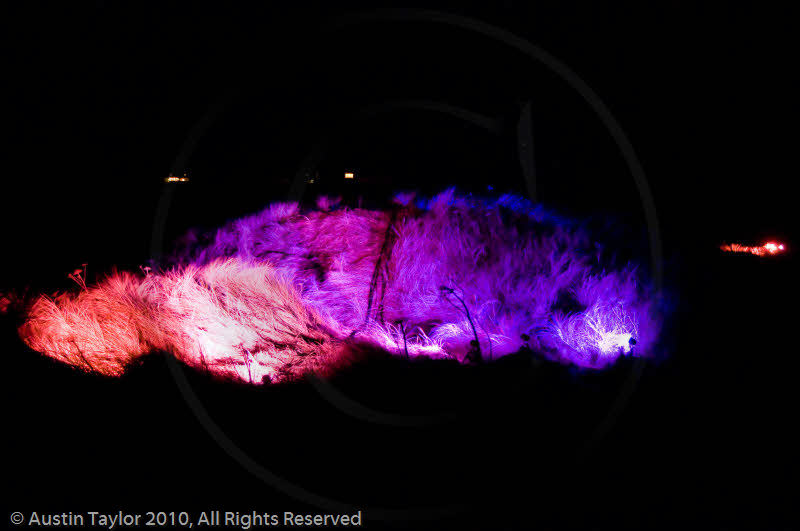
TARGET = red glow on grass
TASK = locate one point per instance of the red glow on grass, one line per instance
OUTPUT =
(768, 249)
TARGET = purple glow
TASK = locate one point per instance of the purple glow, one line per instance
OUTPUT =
(280, 294)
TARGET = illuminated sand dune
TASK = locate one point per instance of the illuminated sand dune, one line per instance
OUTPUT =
(285, 293)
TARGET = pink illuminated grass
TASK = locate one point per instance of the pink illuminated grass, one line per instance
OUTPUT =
(282, 294)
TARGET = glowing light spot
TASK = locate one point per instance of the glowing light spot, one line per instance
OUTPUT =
(769, 248)
(349, 175)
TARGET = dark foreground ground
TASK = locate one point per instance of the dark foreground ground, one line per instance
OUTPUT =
(705, 438)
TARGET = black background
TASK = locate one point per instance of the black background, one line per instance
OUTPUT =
(102, 100)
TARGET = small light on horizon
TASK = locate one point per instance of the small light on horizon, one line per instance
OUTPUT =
(769, 248)
(173, 179)
(349, 175)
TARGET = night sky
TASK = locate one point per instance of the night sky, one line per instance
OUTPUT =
(106, 100)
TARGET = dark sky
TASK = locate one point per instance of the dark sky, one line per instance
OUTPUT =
(103, 97)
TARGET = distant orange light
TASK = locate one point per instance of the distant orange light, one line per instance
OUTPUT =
(349, 175)
(769, 248)
(173, 179)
